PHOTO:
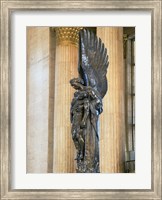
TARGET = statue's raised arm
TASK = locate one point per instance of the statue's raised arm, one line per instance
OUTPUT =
(91, 87)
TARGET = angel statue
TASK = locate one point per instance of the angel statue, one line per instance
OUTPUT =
(86, 106)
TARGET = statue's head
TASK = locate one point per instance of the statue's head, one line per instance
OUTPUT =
(77, 83)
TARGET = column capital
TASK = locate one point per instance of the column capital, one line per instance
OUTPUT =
(67, 35)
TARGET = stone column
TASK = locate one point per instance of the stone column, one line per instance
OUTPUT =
(112, 120)
(66, 68)
(40, 92)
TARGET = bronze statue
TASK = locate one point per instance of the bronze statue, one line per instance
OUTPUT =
(86, 106)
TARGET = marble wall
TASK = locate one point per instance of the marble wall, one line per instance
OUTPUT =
(40, 95)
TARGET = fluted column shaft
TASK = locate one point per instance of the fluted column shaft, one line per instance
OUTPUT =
(66, 69)
(112, 120)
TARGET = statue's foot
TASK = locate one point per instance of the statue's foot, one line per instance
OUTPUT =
(77, 157)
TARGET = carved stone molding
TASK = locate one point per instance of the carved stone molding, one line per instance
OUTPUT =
(67, 35)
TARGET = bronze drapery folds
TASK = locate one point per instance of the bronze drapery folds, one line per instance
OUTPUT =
(86, 106)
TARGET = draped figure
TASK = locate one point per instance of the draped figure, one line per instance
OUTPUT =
(86, 106)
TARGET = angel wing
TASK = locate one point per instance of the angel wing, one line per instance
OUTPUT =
(93, 61)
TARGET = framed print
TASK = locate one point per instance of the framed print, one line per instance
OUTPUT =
(37, 165)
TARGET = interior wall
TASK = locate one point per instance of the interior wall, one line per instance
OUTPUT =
(40, 90)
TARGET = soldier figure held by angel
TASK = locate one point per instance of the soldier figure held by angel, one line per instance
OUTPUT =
(86, 106)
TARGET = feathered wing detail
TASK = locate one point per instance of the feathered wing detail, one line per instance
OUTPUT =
(93, 61)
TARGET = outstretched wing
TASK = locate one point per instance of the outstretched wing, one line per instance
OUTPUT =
(93, 61)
